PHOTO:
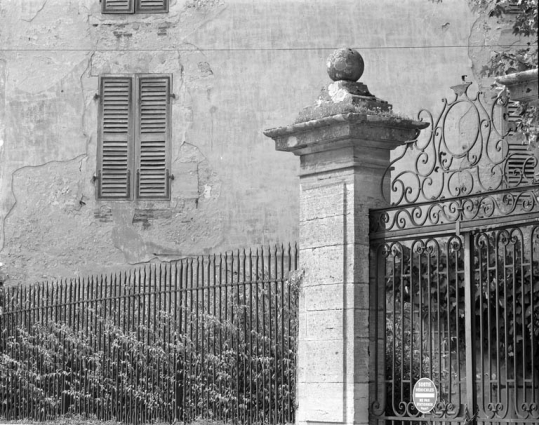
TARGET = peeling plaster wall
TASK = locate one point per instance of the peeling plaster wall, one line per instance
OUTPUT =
(238, 67)
(489, 34)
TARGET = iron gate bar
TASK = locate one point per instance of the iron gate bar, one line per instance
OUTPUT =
(515, 191)
(464, 227)
(469, 323)
(439, 214)
(455, 259)
(504, 269)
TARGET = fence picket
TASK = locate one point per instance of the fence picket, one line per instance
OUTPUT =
(210, 337)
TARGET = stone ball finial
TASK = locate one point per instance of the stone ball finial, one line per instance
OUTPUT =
(345, 64)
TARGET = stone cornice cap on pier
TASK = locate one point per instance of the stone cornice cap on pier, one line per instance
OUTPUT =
(375, 131)
(345, 112)
(522, 85)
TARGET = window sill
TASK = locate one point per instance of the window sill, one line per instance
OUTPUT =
(143, 210)
(130, 18)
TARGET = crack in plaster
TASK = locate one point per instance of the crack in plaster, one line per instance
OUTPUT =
(88, 137)
(204, 159)
(37, 13)
(3, 139)
(205, 21)
(470, 47)
(196, 48)
(3, 78)
(12, 187)
(84, 106)
(82, 157)
(182, 70)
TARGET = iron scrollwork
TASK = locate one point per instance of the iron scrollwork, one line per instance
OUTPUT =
(459, 306)
(463, 168)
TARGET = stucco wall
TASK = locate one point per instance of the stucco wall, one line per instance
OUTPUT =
(238, 67)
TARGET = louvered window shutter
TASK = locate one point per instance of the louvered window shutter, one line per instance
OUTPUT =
(153, 136)
(513, 8)
(520, 165)
(151, 6)
(115, 138)
(117, 6)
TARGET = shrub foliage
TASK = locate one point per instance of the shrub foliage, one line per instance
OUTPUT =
(137, 350)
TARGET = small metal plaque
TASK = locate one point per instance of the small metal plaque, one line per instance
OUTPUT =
(425, 395)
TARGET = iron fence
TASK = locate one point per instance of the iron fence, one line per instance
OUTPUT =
(455, 269)
(211, 337)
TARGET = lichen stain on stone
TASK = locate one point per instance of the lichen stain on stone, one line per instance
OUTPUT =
(292, 141)
(337, 94)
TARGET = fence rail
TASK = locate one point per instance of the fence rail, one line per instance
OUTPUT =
(213, 337)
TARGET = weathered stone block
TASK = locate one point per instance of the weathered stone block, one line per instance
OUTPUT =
(322, 201)
(357, 320)
(357, 404)
(328, 296)
(323, 265)
(331, 231)
(358, 358)
(322, 361)
(336, 296)
(321, 401)
(324, 325)
(335, 264)
(322, 232)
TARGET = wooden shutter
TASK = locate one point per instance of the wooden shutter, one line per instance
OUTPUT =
(115, 138)
(153, 136)
(513, 8)
(117, 6)
(151, 6)
(520, 165)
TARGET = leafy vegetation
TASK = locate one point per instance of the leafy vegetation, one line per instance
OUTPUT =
(524, 25)
(522, 16)
(109, 364)
(83, 420)
(426, 328)
(519, 58)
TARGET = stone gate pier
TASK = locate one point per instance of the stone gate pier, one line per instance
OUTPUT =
(344, 142)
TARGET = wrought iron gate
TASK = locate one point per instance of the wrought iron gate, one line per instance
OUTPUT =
(456, 266)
